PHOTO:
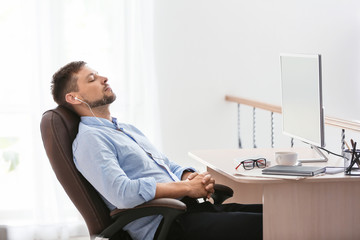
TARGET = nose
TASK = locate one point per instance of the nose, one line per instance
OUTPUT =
(104, 79)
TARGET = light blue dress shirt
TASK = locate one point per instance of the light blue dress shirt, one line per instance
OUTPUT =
(124, 167)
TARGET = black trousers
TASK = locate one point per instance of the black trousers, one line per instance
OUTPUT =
(225, 221)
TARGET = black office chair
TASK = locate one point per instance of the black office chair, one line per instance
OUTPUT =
(59, 127)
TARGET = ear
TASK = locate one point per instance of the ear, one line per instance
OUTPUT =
(70, 98)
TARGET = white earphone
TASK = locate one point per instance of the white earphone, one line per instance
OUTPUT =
(76, 98)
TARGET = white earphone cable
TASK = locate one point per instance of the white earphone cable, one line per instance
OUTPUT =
(89, 109)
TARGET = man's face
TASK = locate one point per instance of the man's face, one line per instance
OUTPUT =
(93, 88)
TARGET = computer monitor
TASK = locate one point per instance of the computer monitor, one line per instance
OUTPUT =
(302, 106)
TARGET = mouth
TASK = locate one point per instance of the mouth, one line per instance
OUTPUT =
(107, 88)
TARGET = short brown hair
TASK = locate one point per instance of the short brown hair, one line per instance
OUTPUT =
(64, 81)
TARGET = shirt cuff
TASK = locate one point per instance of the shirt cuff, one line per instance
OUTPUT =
(181, 172)
(147, 189)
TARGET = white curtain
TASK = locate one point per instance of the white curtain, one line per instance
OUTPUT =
(38, 37)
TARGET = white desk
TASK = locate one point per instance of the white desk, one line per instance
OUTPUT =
(322, 207)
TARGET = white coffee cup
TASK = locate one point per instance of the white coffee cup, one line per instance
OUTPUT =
(286, 158)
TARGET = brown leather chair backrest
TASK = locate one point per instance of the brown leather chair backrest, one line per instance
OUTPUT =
(59, 127)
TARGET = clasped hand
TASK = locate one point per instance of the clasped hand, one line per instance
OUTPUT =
(201, 185)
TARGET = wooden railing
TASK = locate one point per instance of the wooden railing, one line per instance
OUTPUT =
(255, 104)
(336, 122)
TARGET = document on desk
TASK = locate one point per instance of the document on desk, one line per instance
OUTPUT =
(308, 171)
(257, 173)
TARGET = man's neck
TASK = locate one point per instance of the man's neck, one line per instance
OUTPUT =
(102, 112)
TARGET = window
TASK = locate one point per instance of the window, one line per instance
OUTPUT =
(38, 37)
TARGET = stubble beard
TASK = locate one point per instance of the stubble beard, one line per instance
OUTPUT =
(102, 102)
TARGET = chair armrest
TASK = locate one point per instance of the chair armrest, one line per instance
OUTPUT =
(221, 193)
(161, 202)
(167, 207)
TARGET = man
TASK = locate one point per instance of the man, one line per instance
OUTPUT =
(127, 170)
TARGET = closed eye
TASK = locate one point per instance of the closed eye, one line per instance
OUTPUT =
(92, 77)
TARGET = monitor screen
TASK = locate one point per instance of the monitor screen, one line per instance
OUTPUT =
(302, 108)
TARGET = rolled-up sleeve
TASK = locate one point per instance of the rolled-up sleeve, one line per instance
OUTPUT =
(96, 158)
(147, 189)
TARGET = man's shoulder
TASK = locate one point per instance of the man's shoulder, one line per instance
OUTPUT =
(87, 132)
(86, 129)
(89, 138)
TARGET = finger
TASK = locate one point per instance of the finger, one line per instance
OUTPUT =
(205, 173)
(192, 175)
(206, 179)
(212, 180)
(210, 187)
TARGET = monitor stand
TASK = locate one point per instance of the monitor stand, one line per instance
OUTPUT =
(322, 158)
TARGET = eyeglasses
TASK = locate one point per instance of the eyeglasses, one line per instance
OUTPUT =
(250, 163)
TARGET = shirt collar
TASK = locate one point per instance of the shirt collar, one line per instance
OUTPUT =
(96, 121)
